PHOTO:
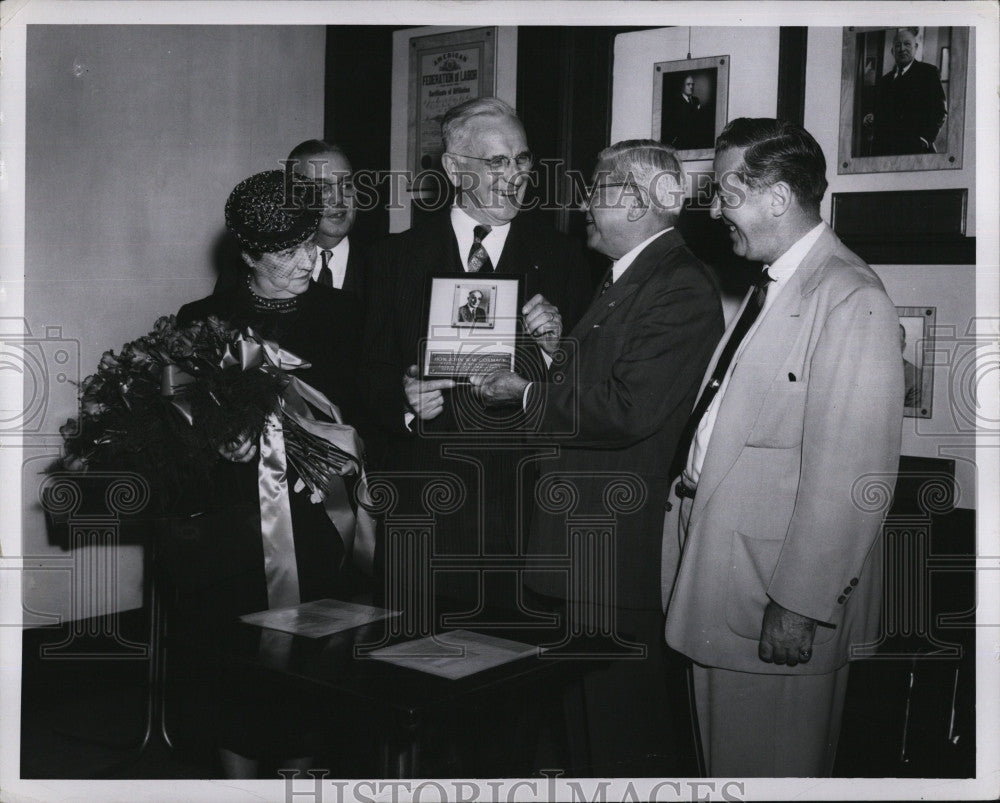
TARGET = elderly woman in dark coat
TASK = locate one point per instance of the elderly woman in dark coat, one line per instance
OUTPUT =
(238, 570)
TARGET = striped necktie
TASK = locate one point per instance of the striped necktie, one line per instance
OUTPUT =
(479, 259)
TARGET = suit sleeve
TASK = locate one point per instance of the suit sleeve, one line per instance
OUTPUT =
(670, 337)
(851, 430)
(934, 106)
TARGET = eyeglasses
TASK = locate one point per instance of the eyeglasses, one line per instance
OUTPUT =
(592, 190)
(500, 164)
(344, 188)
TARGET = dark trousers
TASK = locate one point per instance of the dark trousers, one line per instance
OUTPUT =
(637, 710)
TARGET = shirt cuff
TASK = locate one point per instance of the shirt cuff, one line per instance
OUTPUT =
(408, 419)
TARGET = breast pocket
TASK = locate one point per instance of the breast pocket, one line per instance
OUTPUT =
(779, 424)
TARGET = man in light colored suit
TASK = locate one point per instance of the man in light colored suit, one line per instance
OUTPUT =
(639, 351)
(771, 554)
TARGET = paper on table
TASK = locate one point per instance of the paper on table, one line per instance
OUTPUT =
(456, 654)
(324, 617)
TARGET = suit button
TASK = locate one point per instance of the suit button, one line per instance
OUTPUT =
(848, 590)
(854, 581)
(841, 599)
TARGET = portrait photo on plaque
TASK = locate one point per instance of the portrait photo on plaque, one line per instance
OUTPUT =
(472, 325)
(473, 305)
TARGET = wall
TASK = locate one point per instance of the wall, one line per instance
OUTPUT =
(753, 73)
(135, 135)
(949, 288)
(506, 89)
(753, 92)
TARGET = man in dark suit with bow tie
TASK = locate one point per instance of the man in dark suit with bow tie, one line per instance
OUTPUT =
(429, 429)
(636, 357)
(910, 105)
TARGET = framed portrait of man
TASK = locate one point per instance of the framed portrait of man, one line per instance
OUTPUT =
(690, 102)
(902, 99)
(916, 341)
(472, 325)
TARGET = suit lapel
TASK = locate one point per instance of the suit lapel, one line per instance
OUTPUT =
(516, 250)
(758, 366)
(648, 260)
(354, 277)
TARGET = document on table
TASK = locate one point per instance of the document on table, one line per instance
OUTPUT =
(455, 654)
(324, 617)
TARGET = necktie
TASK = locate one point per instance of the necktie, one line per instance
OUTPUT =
(750, 313)
(479, 259)
(325, 272)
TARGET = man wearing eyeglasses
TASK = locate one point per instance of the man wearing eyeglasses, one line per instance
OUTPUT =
(432, 427)
(640, 349)
(338, 264)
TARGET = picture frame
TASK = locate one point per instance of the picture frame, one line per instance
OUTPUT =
(690, 124)
(867, 146)
(444, 70)
(905, 227)
(473, 323)
(916, 328)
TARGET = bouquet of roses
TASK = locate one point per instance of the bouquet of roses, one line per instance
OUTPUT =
(167, 401)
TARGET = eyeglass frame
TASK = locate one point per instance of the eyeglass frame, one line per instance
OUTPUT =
(341, 186)
(505, 163)
(591, 190)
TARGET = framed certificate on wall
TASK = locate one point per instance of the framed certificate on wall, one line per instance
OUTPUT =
(445, 70)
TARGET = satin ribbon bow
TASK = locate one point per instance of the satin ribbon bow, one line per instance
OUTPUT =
(296, 401)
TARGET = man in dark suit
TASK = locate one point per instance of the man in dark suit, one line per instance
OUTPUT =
(472, 311)
(339, 260)
(626, 390)
(910, 105)
(682, 118)
(430, 429)
(771, 546)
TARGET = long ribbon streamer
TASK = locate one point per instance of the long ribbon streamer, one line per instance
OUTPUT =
(280, 569)
(356, 529)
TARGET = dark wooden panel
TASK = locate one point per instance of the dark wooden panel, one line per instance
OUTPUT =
(358, 107)
(792, 44)
(905, 226)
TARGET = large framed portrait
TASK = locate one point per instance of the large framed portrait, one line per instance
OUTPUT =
(690, 103)
(902, 99)
(472, 325)
(916, 343)
(445, 70)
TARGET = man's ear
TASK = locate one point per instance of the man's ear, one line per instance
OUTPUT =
(637, 200)
(782, 198)
(667, 194)
(450, 165)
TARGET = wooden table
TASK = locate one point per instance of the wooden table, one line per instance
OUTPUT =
(401, 707)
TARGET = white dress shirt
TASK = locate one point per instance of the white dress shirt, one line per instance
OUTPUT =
(338, 262)
(623, 263)
(464, 228)
(781, 271)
